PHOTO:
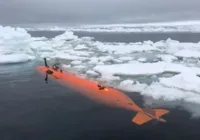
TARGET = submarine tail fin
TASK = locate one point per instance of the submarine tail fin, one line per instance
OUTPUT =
(141, 118)
(148, 115)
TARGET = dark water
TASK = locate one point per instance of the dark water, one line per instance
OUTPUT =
(126, 37)
(33, 110)
(140, 37)
(47, 34)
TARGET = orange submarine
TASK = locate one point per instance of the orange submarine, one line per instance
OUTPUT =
(105, 95)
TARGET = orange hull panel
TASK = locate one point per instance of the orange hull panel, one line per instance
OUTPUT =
(90, 89)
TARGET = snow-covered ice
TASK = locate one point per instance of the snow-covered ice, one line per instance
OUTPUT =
(76, 62)
(142, 59)
(184, 81)
(175, 26)
(167, 58)
(80, 47)
(15, 58)
(137, 68)
(92, 73)
(188, 53)
(122, 48)
(66, 36)
(183, 26)
(126, 58)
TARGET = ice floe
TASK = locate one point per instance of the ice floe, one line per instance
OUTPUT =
(188, 53)
(76, 62)
(167, 58)
(92, 73)
(15, 58)
(184, 26)
(142, 59)
(66, 36)
(122, 48)
(137, 68)
(175, 26)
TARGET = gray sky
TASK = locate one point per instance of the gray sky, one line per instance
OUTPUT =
(96, 11)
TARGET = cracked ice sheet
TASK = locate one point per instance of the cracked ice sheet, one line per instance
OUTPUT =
(68, 56)
(181, 87)
(167, 58)
(166, 90)
(188, 53)
(137, 68)
(122, 48)
(184, 81)
(80, 53)
(181, 90)
(17, 40)
(80, 47)
(15, 58)
(158, 91)
(177, 26)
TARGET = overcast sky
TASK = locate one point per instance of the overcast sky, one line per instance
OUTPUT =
(96, 11)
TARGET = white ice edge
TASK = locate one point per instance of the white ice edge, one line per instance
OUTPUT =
(175, 26)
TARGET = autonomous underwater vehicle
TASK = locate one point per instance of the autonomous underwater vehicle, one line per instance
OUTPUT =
(100, 93)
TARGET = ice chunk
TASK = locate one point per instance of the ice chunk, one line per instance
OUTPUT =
(124, 48)
(8, 33)
(133, 68)
(131, 86)
(184, 86)
(158, 91)
(142, 59)
(183, 81)
(179, 68)
(86, 38)
(101, 60)
(93, 60)
(137, 68)
(127, 82)
(65, 66)
(80, 67)
(65, 36)
(49, 28)
(126, 58)
(76, 62)
(100, 63)
(80, 53)
(108, 77)
(80, 47)
(91, 73)
(68, 57)
(167, 58)
(188, 53)
(178, 26)
(14, 58)
(105, 58)
(15, 45)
